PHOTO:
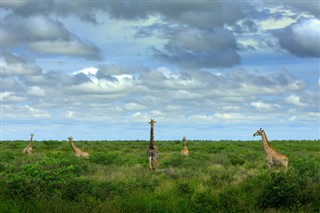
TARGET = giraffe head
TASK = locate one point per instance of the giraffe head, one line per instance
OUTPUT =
(70, 138)
(258, 132)
(184, 138)
(152, 122)
(32, 135)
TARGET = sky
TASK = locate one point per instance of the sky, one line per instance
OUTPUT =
(207, 70)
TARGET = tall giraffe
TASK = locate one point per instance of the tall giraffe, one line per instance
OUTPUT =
(28, 149)
(185, 150)
(273, 157)
(152, 151)
(77, 151)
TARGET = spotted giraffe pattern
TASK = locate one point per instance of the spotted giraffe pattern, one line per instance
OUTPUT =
(77, 151)
(185, 150)
(28, 149)
(273, 157)
(152, 151)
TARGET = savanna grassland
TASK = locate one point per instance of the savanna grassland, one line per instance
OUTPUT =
(223, 176)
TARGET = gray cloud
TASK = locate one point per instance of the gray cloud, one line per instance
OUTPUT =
(308, 6)
(45, 36)
(198, 49)
(302, 38)
(196, 14)
(14, 65)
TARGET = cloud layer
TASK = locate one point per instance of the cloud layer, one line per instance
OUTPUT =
(202, 68)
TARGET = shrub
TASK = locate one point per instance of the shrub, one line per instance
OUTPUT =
(278, 191)
(292, 189)
(43, 177)
(184, 189)
(236, 160)
(107, 158)
(203, 202)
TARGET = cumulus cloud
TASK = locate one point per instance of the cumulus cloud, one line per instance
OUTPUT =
(302, 38)
(44, 35)
(72, 48)
(25, 112)
(69, 114)
(13, 65)
(186, 49)
(199, 49)
(310, 6)
(294, 100)
(261, 105)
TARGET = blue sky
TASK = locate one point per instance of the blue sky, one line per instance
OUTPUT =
(210, 70)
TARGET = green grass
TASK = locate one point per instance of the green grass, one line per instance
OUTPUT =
(224, 176)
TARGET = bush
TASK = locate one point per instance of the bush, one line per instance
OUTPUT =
(43, 177)
(203, 202)
(293, 189)
(279, 191)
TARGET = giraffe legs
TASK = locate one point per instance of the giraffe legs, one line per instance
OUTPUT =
(274, 161)
(150, 163)
(153, 163)
(285, 164)
(269, 162)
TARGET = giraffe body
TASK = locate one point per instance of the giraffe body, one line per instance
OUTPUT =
(28, 149)
(273, 157)
(152, 151)
(185, 150)
(77, 151)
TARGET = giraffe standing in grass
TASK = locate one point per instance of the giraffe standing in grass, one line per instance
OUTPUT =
(152, 150)
(77, 151)
(28, 149)
(185, 150)
(273, 157)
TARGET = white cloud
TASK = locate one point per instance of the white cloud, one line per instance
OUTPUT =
(11, 65)
(10, 97)
(231, 108)
(130, 86)
(124, 84)
(216, 117)
(272, 24)
(69, 114)
(314, 115)
(134, 106)
(260, 105)
(36, 113)
(87, 71)
(292, 118)
(73, 48)
(300, 38)
(295, 100)
(35, 91)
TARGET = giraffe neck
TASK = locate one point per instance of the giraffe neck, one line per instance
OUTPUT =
(266, 145)
(73, 146)
(185, 143)
(151, 145)
(30, 143)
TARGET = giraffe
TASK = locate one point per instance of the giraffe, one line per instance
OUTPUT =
(273, 157)
(77, 151)
(28, 149)
(185, 149)
(152, 151)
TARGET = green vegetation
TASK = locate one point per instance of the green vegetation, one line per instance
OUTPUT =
(224, 176)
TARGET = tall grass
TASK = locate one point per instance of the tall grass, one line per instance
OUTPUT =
(220, 176)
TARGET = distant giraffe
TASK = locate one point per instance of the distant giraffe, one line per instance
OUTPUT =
(77, 151)
(28, 149)
(273, 157)
(152, 151)
(185, 150)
